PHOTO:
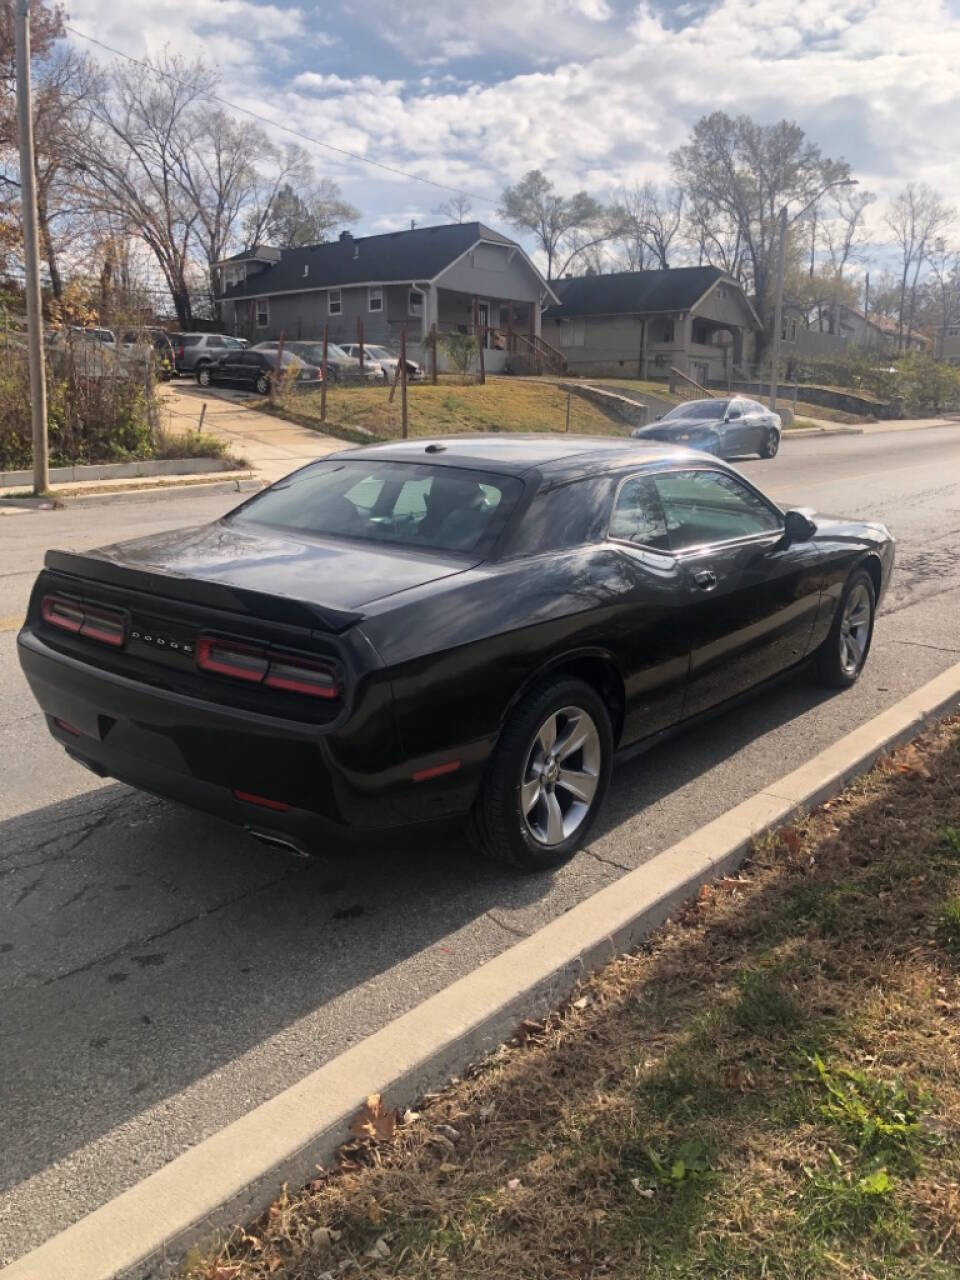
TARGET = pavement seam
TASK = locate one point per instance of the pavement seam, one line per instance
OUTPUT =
(235, 1173)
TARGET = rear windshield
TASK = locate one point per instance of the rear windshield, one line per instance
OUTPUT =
(189, 339)
(437, 508)
(698, 409)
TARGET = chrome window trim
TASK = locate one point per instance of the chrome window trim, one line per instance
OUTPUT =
(704, 547)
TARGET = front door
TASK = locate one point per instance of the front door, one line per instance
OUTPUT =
(483, 319)
(752, 597)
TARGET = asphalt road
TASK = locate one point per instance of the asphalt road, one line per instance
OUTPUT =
(160, 972)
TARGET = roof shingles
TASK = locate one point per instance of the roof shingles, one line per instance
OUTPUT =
(397, 256)
(633, 292)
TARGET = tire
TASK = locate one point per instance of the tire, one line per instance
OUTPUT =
(262, 385)
(842, 656)
(525, 772)
(771, 444)
(204, 376)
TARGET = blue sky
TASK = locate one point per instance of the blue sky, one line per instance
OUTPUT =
(595, 92)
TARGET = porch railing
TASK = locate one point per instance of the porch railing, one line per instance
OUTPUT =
(686, 388)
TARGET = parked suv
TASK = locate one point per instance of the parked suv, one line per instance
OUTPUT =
(194, 350)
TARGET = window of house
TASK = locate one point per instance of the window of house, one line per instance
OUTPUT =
(573, 333)
(263, 313)
(334, 302)
(667, 335)
(375, 298)
(415, 306)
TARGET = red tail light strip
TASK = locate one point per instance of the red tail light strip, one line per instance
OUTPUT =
(438, 771)
(248, 797)
(261, 665)
(108, 626)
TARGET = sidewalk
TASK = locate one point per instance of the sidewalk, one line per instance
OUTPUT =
(272, 447)
(893, 424)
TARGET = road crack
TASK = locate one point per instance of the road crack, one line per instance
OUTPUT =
(507, 928)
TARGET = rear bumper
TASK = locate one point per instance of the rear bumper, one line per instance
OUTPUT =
(317, 783)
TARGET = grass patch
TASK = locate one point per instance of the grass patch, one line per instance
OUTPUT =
(769, 1088)
(364, 413)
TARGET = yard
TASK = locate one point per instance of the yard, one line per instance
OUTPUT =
(502, 404)
(769, 1088)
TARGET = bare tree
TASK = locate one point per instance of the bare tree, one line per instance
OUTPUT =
(716, 239)
(916, 217)
(130, 153)
(216, 165)
(534, 205)
(456, 208)
(307, 214)
(645, 220)
(944, 260)
(747, 172)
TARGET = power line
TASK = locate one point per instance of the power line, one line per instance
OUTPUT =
(275, 124)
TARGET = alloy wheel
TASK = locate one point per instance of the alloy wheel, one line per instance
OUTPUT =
(561, 776)
(855, 629)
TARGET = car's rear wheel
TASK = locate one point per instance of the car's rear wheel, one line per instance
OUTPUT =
(262, 385)
(843, 654)
(547, 778)
(771, 444)
(204, 376)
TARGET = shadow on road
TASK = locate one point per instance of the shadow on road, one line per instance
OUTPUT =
(144, 946)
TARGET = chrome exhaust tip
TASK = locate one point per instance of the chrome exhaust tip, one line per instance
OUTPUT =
(274, 841)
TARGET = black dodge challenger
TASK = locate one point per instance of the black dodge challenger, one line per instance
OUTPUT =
(464, 626)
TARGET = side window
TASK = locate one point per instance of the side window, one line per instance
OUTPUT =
(638, 514)
(736, 409)
(215, 341)
(705, 507)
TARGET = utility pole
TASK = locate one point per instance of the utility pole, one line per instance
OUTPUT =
(31, 252)
(778, 310)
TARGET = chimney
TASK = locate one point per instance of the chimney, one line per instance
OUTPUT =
(413, 224)
(346, 235)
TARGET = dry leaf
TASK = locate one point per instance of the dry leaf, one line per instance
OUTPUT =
(448, 1132)
(410, 1117)
(374, 1212)
(324, 1237)
(791, 837)
(513, 1183)
(374, 1120)
(379, 1249)
(646, 1192)
(274, 1264)
(582, 1003)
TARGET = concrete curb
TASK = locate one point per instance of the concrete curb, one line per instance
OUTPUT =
(78, 495)
(120, 470)
(233, 1175)
(805, 433)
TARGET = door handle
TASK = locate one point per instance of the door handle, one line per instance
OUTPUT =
(705, 579)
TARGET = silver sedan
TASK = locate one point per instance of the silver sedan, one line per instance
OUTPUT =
(728, 427)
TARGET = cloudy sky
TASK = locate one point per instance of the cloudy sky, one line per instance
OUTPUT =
(594, 92)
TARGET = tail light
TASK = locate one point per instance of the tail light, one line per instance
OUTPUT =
(258, 664)
(180, 350)
(108, 626)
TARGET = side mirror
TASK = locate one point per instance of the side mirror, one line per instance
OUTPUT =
(798, 527)
(658, 417)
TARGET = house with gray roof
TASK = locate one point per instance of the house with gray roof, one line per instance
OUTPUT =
(461, 277)
(642, 324)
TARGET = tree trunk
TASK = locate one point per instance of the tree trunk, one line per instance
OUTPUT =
(49, 253)
(181, 302)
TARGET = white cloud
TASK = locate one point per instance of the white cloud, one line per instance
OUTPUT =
(870, 80)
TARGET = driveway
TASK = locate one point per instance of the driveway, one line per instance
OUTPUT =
(160, 973)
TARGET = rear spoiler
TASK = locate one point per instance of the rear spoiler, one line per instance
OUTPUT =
(197, 591)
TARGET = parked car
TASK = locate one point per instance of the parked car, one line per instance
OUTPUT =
(257, 370)
(91, 335)
(387, 360)
(194, 350)
(380, 638)
(340, 366)
(157, 340)
(728, 428)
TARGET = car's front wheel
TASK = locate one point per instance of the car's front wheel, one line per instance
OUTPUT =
(204, 376)
(547, 778)
(842, 655)
(262, 385)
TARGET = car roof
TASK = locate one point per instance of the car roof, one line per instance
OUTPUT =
(558, 456)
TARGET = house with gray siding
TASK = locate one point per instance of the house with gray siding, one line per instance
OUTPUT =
(642, 324)
(462, 277)
(843, 329)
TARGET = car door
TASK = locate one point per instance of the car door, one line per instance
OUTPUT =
(752, 595)
(648, 630)
(735, 431)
